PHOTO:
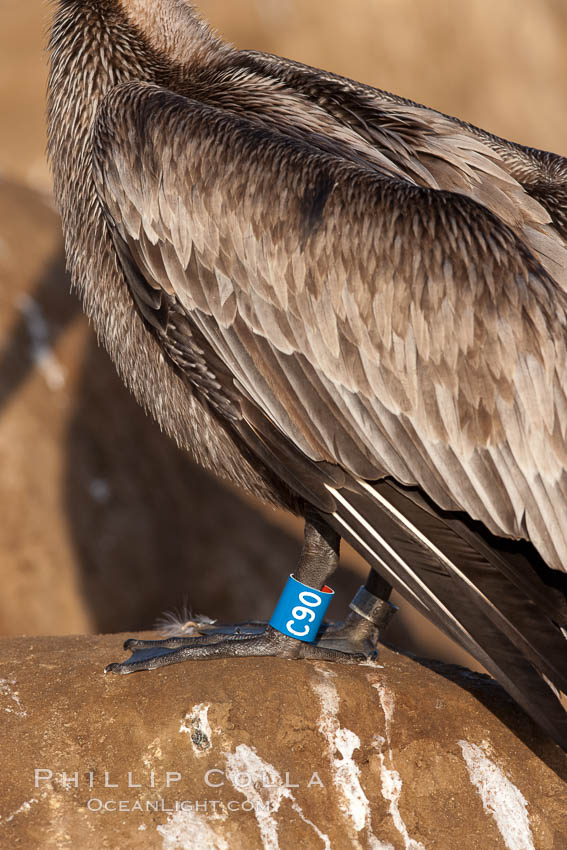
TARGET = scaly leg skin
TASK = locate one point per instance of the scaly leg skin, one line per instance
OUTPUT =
(349, 642)
(370, 613)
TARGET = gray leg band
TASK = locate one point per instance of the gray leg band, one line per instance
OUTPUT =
(369, 607)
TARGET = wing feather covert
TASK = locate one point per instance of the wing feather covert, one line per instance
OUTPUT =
(387, 327)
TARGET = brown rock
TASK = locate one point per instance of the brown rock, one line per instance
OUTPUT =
(391, 757)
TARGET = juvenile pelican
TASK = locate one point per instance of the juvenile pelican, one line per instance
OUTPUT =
(346, 303)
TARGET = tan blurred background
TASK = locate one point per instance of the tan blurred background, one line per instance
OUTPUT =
(103, 523)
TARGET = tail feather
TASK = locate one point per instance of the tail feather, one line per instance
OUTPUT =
(507, 609)
(496, 606)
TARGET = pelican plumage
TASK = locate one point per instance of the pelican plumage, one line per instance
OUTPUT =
(342, 301)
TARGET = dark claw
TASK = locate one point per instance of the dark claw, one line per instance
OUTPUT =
(114, 668)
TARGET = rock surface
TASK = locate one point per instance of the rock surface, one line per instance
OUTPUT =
(268, 754)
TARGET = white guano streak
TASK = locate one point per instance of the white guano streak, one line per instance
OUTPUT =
(25, 807)
(196, 725)
(346, 773)
(391, 779)
(265, 792)
(15, 706)
(500, 798)
(187, 830)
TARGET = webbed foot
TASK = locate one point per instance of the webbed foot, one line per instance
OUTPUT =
(353, 641)
(147, 655)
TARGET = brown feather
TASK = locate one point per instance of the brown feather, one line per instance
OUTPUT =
(313, 285)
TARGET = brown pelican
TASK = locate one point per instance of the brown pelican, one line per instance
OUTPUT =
(346, 303)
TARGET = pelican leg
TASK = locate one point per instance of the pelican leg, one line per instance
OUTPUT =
(351, 642)
(370, 613)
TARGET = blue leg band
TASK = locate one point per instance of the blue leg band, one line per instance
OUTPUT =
(300, 610)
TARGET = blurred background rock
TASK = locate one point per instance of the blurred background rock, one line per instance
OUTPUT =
(104, 525)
